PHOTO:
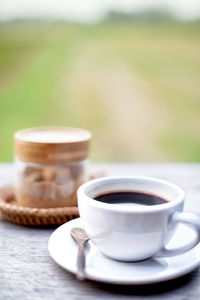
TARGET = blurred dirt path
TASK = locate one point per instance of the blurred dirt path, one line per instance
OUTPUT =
(135, 118)
(131, 118)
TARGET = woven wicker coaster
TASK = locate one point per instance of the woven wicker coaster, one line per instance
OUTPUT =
(28, 216)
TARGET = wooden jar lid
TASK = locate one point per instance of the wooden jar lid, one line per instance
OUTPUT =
(51, 145)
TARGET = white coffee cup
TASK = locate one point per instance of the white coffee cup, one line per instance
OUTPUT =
(134, 233)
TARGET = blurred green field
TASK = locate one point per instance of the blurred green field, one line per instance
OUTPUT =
(135, 86)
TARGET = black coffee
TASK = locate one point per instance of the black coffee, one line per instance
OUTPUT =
(130, 198)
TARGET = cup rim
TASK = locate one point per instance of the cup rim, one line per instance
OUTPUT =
(86, 187)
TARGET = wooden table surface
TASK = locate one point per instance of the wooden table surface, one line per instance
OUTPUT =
(28, 272)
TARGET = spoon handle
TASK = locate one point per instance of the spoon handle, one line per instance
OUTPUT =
(81, 261)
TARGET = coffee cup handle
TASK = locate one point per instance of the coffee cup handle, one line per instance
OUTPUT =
(186, 218)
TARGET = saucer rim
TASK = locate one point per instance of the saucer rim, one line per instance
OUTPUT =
(151, 280)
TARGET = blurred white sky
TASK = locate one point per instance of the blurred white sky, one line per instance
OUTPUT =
(92, 10)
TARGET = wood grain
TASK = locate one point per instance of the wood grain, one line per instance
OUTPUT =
(36, 150)
(28, 272)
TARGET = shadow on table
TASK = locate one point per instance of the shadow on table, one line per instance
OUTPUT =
(175, 286)
(150, 289)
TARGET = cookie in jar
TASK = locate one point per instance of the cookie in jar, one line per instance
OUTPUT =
(50, 164)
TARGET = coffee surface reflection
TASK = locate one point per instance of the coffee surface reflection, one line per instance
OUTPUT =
(130, 198)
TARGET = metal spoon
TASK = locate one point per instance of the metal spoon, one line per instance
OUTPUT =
(81, 237)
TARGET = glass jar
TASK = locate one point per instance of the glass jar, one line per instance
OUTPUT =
(50, 165)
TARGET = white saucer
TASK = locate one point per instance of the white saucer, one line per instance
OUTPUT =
(63, 250)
